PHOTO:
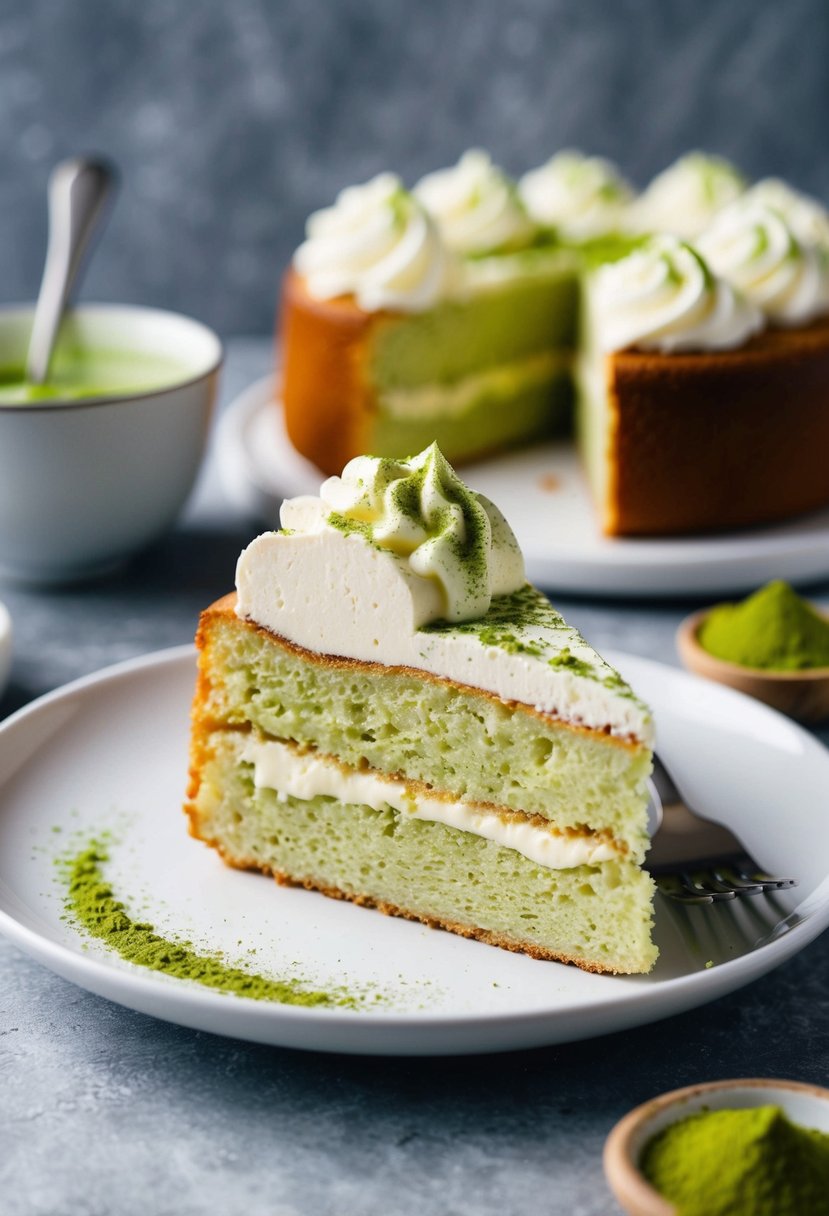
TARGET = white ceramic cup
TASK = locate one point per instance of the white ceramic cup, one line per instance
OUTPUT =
(84, 484)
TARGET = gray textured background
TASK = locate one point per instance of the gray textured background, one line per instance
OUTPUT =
(232, 119)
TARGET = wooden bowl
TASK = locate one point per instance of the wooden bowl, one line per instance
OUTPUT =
(807, 1105)
(803, 695)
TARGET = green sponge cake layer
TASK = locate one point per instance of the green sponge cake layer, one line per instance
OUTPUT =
(597, 915)
(528, 308)
(454, 739)
(487, 414)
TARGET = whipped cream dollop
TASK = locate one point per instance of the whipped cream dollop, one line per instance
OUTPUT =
(806, 216)
(580, 196)
(421, 511)
(476, 206)
(684, 197)
(378, 244)
(664, 297)
(752, 246)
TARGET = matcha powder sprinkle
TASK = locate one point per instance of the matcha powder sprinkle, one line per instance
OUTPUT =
(91, 902)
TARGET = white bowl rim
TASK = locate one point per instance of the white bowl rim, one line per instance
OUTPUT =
(94, 308)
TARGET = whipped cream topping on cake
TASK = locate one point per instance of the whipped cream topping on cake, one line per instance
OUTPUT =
(476, 206)
(807, 218)
(329, 584)
(664, 297)
(294, 773)
(751, 245)
(580, 196)
(684, 198)
(420, 510)
(378, 244)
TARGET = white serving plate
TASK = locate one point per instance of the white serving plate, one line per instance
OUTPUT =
(110, 751)
(543, 494)
(5, 646)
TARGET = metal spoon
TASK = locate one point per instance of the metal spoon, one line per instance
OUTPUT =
(78, 191)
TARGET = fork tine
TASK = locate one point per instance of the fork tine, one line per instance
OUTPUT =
(703, 882)
(673, 888)
(767, 882)
(738, 881)
(701, 886)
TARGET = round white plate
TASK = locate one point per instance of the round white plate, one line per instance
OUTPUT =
(110, 751)
(543, 493)
(5, 645)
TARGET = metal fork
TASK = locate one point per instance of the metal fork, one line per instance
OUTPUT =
(695, 861)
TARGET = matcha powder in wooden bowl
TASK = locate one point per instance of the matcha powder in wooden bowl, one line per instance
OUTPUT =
(772, 630)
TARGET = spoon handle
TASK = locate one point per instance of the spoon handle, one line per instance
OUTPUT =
(78, 191)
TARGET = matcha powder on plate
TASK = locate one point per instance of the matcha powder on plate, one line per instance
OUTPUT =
(751, 1162)
(773, 630)
(91, 902)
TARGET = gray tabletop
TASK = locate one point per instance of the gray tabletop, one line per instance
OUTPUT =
(106, 1112)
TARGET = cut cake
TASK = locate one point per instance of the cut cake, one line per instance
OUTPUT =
(476, 311)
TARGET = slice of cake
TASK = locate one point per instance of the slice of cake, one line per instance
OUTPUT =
(388, 713)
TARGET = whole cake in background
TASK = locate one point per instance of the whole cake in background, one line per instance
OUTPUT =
(686, 329)
(387, 712)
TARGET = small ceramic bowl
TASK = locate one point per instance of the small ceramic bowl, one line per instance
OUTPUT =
(803, 695)
(86, 483)
(807, 1105)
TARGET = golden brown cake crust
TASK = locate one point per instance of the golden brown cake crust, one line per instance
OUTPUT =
(326, 397)
(719, 439)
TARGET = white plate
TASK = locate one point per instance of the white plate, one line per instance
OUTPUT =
(110, 750)
(543, 494)
(5, 645)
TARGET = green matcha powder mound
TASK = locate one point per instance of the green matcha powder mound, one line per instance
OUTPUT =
(774, 629)
(751, 1162)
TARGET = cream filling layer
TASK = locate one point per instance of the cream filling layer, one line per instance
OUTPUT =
(290, 773)
(439, 400)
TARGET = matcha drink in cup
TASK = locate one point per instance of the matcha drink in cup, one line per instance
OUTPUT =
(98, 463)
(103, 412)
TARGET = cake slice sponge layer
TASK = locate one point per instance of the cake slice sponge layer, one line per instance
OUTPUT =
(463, 742)
(598, 916)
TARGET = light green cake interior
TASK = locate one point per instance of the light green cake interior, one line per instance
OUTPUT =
(600, 915)
(484, 371)
(500, 416)
(455, 740)
(513, 318)
(493, 368)
(592, 417)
